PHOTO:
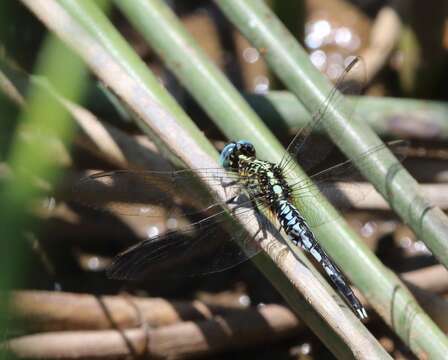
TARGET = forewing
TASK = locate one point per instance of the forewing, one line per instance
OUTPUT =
(150, 193)
(210, 245)
(309, 149)
(341, 183)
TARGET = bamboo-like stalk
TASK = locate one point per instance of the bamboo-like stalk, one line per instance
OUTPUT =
(193, 69)
(88, 14)
(436, 306)
(125, 151)
(432, 278)
(44, 311)
(177, 341)
(291, 64)
(100, 138)
(392, 117)
(347, 195)
(154, 119)
(55, 311)
(101, 35)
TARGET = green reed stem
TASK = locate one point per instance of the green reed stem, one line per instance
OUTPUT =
(291, 64)
(205, 82)
(145, 98)
(389, 117)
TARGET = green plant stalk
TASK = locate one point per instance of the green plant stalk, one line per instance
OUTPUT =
(32, 155)
(88, 14)
(18, 80)
(331, 339)
(389, 117)
(181, 54)
(291, 64)
(194, 70)
(207, 84)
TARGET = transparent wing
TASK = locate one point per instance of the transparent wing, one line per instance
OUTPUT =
(310, 150)
(150, 193)
(210, 245)
(340, 183)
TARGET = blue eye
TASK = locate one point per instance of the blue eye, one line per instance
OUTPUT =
(245, 143)
(225, 155)
(246, 147)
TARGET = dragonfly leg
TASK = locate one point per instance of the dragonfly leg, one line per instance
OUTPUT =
(229, 184)
(260, 217)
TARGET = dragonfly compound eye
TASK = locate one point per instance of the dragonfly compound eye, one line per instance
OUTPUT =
(228, 156)
(246, 148)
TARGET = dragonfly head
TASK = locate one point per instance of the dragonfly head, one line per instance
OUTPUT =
(231, 153)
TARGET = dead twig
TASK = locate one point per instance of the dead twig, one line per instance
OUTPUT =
(384, 37)
(101, 139)
(364, 196)
(431, 278)
(182, 340)
(54, 311)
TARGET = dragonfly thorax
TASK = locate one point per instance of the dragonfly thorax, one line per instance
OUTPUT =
(263, 179)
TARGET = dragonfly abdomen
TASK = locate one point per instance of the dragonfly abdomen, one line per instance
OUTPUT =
(295, 226)
(300, 235)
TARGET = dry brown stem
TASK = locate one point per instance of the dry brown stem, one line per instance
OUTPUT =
(384, 36)
(182, 340)
(53, 311)
(364, 196)
(431, 278)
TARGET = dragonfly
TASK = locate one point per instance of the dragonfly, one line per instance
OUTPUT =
(263, 185)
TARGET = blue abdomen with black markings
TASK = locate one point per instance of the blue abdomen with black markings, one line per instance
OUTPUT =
(265, 181)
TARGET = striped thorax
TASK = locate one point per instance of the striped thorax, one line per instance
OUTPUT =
(265, 181)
